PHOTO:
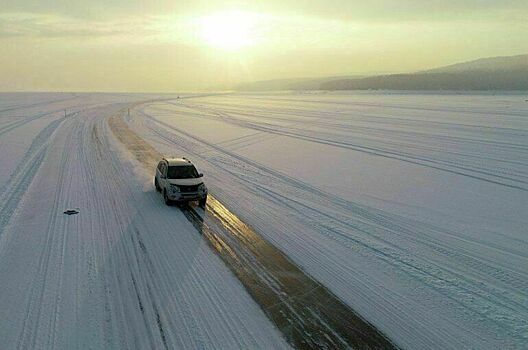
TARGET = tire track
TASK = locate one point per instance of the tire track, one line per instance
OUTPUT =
(375, 228)
(473, 172)
(29, 332)
(143, 275)
(27, 120)
(27, 106)
(308, 314)
(384, 235)
(504, 177)
(16, 186)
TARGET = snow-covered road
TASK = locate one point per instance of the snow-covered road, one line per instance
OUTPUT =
(410, 208)
(306, 312)
(118, 275)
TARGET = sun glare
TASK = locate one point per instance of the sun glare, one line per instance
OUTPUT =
(229, 30)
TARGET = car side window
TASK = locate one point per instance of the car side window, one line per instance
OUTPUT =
(163, 169)
(160, 165)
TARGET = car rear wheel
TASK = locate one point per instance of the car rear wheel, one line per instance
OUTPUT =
(156, 184)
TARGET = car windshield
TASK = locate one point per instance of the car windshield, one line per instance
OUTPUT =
(182, 172)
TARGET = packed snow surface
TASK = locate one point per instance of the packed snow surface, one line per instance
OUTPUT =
(412, 208)
(126, 272)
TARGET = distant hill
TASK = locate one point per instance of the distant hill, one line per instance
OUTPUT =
(495, 73)
(464, 80)
(503, 63)
(290, 84)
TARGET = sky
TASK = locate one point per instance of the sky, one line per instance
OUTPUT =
(172, 45)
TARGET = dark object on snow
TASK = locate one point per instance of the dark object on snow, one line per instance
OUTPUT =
(71, 212)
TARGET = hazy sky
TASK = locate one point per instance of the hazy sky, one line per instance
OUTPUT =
(164, 45)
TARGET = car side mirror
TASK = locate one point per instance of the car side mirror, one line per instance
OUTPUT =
(200, 175)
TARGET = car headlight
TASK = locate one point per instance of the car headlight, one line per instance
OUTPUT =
(202, 188)
(174, 188)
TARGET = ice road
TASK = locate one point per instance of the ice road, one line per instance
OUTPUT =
(407, 210)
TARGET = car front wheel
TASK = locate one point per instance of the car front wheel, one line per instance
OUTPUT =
(166, 198)
(202, 202)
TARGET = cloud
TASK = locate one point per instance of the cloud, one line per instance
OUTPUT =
(56, 26)
(355, 10)
(139, 19)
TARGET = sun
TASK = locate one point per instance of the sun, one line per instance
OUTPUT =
(228, 30)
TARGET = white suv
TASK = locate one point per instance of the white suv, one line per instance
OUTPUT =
(179, 181)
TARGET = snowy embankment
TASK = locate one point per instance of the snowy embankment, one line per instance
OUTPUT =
(127, 272)
(410, 208)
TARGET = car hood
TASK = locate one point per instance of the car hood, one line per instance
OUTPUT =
(186, 182)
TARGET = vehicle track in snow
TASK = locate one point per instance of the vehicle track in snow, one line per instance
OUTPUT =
(36, 104)
(16, 186)
(460, 268)
(375, 224)
(402, 151)
(306, 312)
(118, 275)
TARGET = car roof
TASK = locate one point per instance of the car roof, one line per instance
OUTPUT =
(177, 161)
